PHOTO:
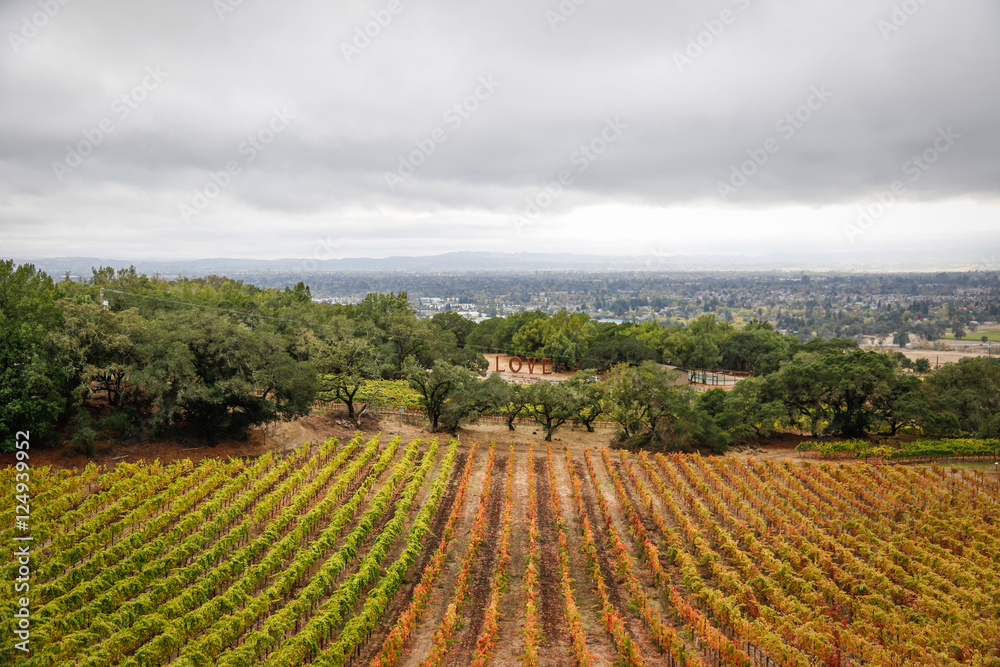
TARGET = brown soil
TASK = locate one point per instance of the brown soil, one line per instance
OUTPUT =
(599, 642)
(936, 357)
(312, 429)
(420, 640)
(405, 594)
(615, 584)
(555, 648)
(479, 589)
(510, 637)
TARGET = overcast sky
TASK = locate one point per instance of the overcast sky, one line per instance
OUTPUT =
(244, 128)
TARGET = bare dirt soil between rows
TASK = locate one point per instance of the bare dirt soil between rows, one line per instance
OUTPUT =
(479, 590)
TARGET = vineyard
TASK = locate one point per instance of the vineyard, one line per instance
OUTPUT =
(423, 554)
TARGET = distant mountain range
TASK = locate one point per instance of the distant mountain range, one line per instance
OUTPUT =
(455, 262)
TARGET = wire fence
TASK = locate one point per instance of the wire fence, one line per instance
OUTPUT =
(715, 377)
(419, 417)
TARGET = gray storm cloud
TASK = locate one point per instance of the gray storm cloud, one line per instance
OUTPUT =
(117, 116)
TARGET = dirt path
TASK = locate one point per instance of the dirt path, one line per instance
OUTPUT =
(636, 630)
(510, 642)
(598, 640)
(555, 648)
(479, 591)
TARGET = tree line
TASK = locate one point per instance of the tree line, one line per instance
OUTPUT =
(211, 357)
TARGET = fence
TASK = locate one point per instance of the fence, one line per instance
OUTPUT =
(715, 377)
(419, 418)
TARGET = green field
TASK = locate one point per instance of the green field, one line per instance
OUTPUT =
(991, 334)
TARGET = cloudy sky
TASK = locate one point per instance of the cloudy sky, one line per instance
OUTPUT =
(244, 128)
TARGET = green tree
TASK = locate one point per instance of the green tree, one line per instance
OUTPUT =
(518, 403)
(901, 403)
(378, 310)
(442, 345)
(651, 408)
(757, 349)
(698, 345)
(851, 382)
(796, 387)
(588, 404)
(346, 369)
(964, 398)
(221, 377)
(482, 335)
(37, 376)
(460, 326)
(552, 405)
(437, 386)
(478, 397)
(503, 336)
(107, 343)
(564, 338)
(835, 386)
(615, 347)
(405, 337)
(747, 413)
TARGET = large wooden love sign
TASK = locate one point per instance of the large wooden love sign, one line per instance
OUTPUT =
(517, 364)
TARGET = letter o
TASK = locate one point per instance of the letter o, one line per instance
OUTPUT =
(510, 364)
(211, 190)
(931, 155)
(751, 170)
(417, 158)
(708, 35)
